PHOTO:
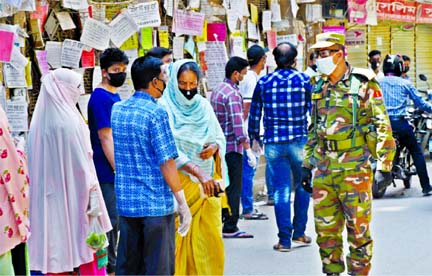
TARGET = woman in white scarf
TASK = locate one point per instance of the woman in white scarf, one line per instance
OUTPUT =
(62, 177)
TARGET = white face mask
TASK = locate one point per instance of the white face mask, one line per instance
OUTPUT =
(326, 65)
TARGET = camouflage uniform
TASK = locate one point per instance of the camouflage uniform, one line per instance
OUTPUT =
(343, 179)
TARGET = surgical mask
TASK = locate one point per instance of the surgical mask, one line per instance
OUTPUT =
(117, 79)
(375, 64)
(189, 94)
(326, 65)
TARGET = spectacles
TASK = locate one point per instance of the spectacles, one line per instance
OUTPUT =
(325, 53)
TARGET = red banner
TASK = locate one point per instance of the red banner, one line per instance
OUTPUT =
(401, 10)
(425, 13)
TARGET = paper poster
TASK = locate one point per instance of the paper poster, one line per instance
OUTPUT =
(203, 36)
(84, 14)
(164, 37)
(65, 21)
(131, 43)
(271, 39)
(132, 56)
(239, 5)
(75, 4)
(99, 12)
(16, 111)
(2, 97)
(371, 8)
(88, 59)
(145, 14)
(54, 52)
(178, 45)
(35, 32)
(188, 22)
(252, 30)
(314, 12)
(291, 38)
(83, 101)
(28, 75)
(14, 3)
(95, 34)
(237, 48)
(41, 57)
(97, 77)
(216, 31)
(71, 53)
(216, 58)
(41, 14)
(122, 27)
(189, 46)
(18, 60)
(254, 13)
(147, 38)
(51, 26)
(266, 20)
(13, 77)
(276, 11)
(6, 46)
(232, 20)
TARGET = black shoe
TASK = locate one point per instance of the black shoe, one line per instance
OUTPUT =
(427, 191)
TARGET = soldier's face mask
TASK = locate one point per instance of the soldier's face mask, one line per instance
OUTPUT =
(325, 65)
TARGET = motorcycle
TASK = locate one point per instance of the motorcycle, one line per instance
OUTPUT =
(425, 125)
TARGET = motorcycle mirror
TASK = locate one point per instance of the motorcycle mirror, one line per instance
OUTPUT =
(423, 77)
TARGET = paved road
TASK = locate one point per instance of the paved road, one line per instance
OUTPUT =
(401, 228)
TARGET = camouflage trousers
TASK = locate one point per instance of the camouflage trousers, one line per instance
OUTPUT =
(339, 198)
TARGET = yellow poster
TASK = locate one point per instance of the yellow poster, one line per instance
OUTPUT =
(163, 38)
(203, 37)
(131, 43)
(28, 75)
(254, 13)
(147, 38)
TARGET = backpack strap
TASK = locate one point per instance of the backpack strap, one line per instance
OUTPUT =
(354, 91)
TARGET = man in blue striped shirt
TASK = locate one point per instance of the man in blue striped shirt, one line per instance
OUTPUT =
(397, 92)
(285, 97)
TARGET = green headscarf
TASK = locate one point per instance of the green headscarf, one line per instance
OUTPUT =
(193, 123)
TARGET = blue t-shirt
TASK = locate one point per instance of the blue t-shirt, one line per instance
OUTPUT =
(99, 116)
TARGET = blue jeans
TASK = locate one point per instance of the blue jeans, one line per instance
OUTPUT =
(247, 185)
(109, 196)
(282, 158)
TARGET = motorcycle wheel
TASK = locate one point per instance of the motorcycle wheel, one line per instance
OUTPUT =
(376, 193)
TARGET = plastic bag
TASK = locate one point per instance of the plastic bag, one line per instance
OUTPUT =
(96, 239)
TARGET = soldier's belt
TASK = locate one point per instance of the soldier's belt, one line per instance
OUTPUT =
(335, 145)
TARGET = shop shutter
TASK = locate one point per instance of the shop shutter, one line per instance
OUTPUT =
(357, 54)
(379, 39)
(423, 42)
(403, 43)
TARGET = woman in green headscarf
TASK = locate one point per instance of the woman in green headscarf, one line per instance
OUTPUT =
(201, 146)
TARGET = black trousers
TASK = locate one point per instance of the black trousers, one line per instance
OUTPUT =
(234, 162)
(146, 246)
(19, 259)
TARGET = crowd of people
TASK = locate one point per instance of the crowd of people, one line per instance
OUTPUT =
(163, 175)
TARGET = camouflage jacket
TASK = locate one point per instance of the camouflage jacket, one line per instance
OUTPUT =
(332, 120)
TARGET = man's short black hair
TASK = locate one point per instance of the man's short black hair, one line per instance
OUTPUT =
(374, 53)
(406, 58)
(159, 52)
(235, 64)
(112, 56)
(144, 70)
(285, 58)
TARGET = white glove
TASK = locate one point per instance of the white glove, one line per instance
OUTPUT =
(251, 158)
(183, 212)
(94, 209)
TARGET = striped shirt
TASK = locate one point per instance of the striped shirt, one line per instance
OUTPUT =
(397, 93)
(285, 97)
(228, 106)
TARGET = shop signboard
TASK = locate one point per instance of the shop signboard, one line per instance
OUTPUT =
(425, 13)
(401, 10)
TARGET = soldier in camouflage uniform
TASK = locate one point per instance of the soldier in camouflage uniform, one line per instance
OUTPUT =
(347, 104)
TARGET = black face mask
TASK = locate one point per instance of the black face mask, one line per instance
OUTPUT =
(189, 94)
(406, 69)
(374, 64)
(314, 67)
(117, 79)
(164, 86)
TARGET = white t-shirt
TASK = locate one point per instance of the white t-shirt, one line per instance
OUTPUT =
(247, 85)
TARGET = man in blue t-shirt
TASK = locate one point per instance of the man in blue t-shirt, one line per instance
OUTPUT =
(113, 63)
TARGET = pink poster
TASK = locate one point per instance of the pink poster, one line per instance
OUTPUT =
(41, 13)
(188, 23)
(88, 59)
(271, 39)
(216, 31)
(6, 45)
(357, 11)
(42, 61)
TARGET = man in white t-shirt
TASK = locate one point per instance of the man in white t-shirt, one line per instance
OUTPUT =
(257, 60)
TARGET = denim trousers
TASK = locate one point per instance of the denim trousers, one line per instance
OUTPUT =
(109, 196)
(282, 159)
(146, 246)
(407, 138)
(247, 185)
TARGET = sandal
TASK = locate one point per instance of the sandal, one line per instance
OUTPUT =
(254, 216)
(237, 235)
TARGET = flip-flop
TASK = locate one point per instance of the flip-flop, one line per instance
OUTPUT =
(254, 216)
(238, 235)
